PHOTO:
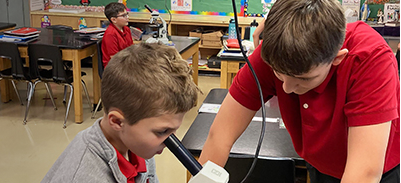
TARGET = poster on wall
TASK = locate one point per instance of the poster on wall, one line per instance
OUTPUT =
(36, 5)
(391, 12)
(181, 5)
(351, 8)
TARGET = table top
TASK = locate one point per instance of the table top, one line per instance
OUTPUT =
(4, 25)
(66, 39)
(183, 43)
(276, 144)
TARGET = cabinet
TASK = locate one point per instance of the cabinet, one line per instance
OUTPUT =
(15, 11)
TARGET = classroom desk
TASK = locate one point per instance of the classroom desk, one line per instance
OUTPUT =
(6, 26)
(228, 69)
(73, 49)
(187, 47)
(276, 145)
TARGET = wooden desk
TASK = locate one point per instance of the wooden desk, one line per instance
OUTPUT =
(6, 26)
(277, 143)
(228, 69)
(73, 49)
(187, 47)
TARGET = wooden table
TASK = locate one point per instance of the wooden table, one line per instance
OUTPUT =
(229, 68)
(73, 49)
(76, 49)
(187, 47)
(6, 26)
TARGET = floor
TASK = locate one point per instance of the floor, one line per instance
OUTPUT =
(28, 151)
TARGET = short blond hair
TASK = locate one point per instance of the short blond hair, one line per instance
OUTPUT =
(147, 80)
(302, 34)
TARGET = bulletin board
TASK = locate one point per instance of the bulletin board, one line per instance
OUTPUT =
(254, 6)
(220, 6)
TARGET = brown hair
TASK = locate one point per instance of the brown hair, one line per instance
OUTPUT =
(112, 9)
(302, 34)
(148, 80)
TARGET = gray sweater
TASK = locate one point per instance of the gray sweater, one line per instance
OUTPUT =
(91, 158)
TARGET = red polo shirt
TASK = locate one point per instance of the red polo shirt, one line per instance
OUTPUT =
(362, 90)
(132, 167)
(114, 41)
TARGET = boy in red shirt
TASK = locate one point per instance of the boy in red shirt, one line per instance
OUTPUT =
(338, 91)
(118, 34)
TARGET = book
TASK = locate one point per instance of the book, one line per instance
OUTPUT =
(66, 10)
(24, 31)
(9, 38)
(392, 24)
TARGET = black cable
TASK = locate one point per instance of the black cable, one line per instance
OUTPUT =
(262, 133)
(165, 4)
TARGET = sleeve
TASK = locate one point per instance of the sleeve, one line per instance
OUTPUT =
(244, 89)
(373, 89)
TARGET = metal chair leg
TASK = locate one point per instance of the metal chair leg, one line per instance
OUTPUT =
(65, 93)
(16, 91)
(30, 95)
(86, 93)
(68, 106)
(49, 90)
(97, 107)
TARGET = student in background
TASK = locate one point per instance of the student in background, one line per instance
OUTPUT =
(146, 90)
(258, 31)
(338, 90)
(118, 34)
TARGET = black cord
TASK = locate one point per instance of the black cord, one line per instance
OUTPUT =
(262, 133)
(165, 4)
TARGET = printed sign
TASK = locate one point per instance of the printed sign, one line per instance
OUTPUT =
(351, 10)
(391, 12)
(45, 21)
(181, 5)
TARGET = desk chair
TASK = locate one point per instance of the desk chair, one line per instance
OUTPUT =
(44, 55)
(17, 71)
(266, 170)
(100, 70)
(59, 27)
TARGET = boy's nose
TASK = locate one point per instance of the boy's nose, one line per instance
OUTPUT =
(289, 86)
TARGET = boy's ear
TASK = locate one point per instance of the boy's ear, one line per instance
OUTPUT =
(340, 56)
(113, 20)
(116, 119)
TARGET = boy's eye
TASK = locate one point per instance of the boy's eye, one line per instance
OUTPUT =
(162, 132)
(304, 79)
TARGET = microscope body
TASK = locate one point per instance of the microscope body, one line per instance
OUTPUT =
(161, 34)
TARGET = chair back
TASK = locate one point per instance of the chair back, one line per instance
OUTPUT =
(100, 67)
(10, 51)
(266, 170)
(59, 27)
(44, 55)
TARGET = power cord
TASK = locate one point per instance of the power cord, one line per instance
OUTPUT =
(262, 133)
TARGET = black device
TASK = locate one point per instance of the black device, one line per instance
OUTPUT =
(182, 154)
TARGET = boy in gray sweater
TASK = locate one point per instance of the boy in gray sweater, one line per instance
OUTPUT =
(146, 90)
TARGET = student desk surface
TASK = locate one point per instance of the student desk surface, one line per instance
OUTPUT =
(277, 144)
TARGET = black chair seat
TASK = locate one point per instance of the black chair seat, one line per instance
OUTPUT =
(6, 74)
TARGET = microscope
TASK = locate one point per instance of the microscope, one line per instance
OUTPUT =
(161, 34)
(209, 173)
